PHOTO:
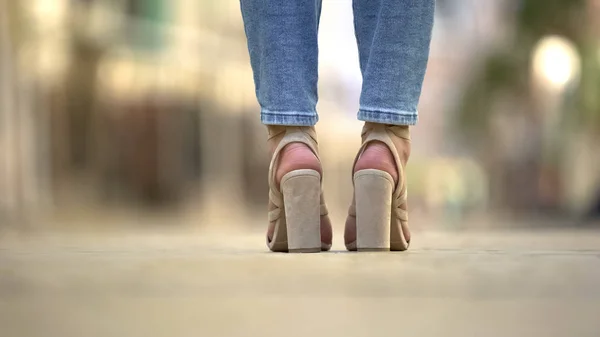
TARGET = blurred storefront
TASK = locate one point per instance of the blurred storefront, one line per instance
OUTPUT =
(126, 100)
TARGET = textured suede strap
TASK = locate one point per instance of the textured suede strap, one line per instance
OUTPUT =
(385, 134)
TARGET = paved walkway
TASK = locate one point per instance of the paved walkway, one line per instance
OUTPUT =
(187, 284)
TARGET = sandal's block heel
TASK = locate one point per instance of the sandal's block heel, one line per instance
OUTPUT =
(301, 191)
(373, 191)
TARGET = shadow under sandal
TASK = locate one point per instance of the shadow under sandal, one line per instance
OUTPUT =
(379, 210)
(296, 208)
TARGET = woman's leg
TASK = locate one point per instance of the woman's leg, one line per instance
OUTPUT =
(282, 41)
(393, 38)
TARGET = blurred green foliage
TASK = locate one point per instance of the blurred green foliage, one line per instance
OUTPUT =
(505, 73)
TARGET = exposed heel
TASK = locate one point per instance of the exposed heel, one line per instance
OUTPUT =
(301, 191)
(373, 191)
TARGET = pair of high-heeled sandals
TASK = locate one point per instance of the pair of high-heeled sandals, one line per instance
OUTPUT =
(378, 217)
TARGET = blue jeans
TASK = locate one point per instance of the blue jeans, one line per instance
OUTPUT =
(393, 39)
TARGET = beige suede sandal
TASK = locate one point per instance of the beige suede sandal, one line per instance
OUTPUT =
(378, 217)
(297, 210)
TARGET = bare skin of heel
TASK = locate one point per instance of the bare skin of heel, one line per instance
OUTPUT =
(298, 215)
(380, 187)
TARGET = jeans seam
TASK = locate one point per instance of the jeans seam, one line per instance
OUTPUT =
(389, 111)
(291, 118)
(288, 113)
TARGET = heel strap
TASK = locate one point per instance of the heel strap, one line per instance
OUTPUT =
(286, 135)
(385, 133)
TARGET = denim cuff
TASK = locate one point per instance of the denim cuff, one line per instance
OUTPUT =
(388, 116)
(289, 118)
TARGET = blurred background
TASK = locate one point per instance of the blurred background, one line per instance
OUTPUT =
(142, 112)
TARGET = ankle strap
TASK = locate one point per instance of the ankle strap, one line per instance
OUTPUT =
(400, 131)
